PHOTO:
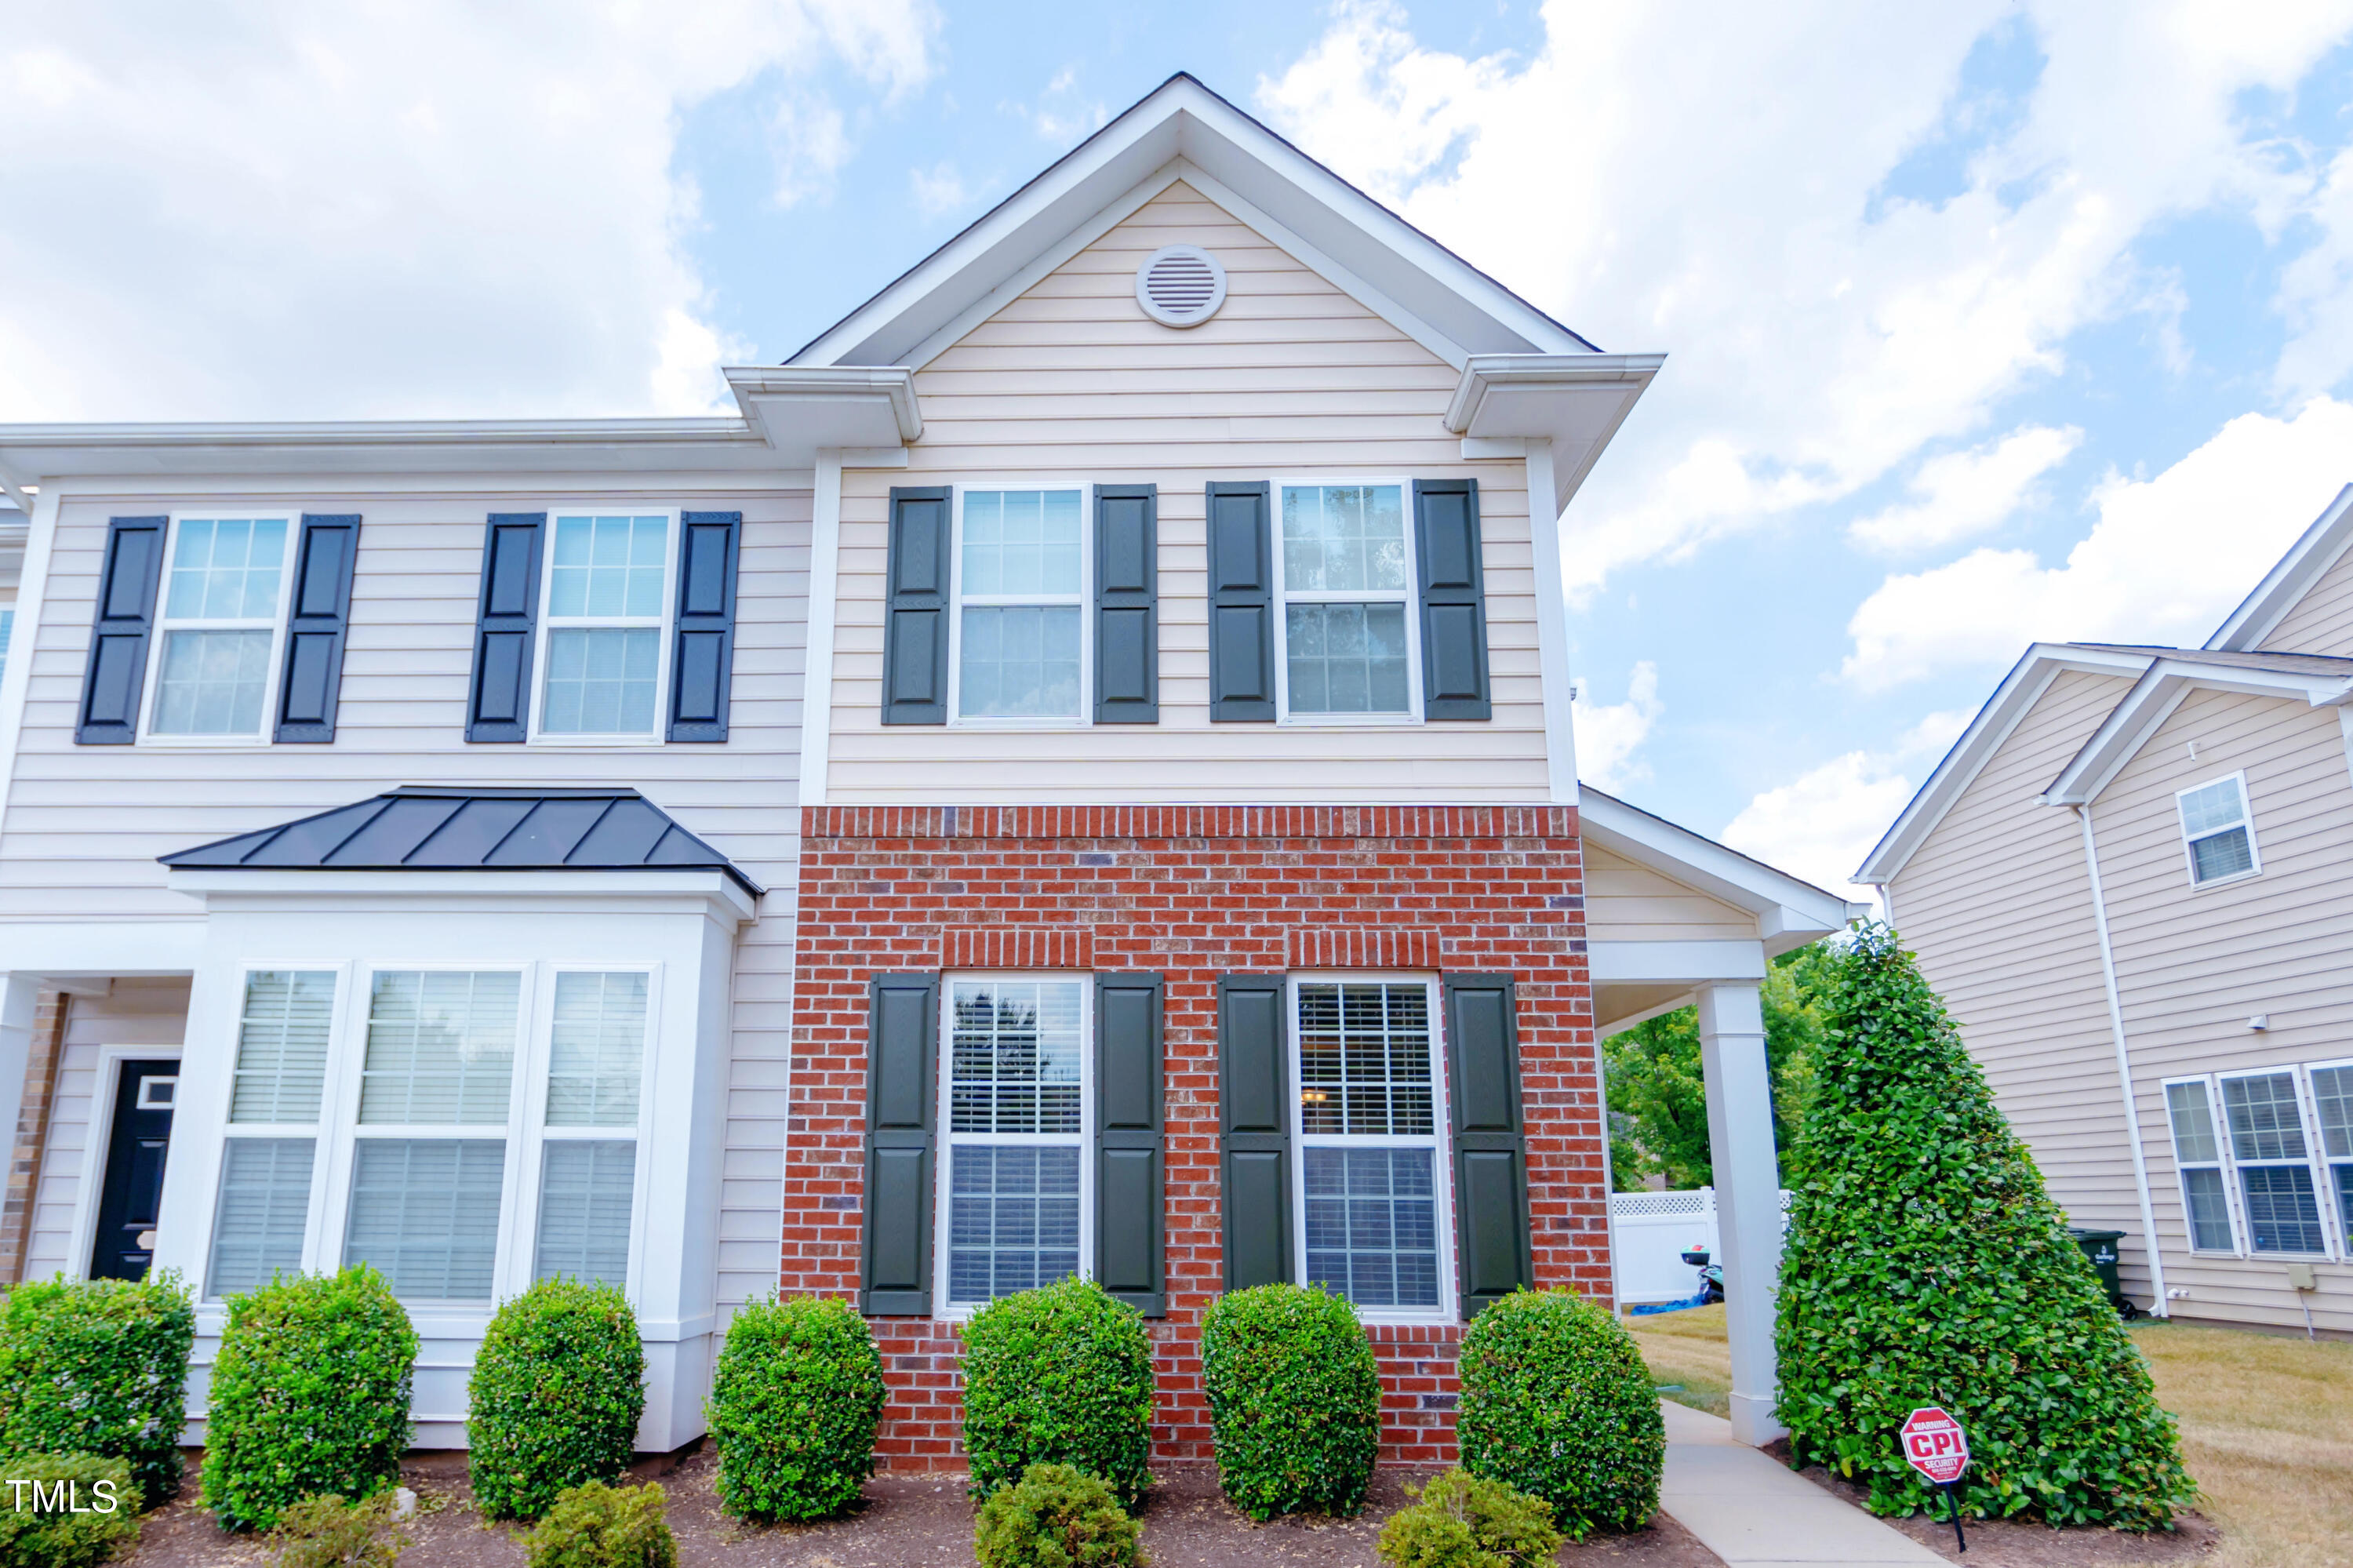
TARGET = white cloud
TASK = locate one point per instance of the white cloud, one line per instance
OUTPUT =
(1712, 185)
(1061, 115)
(436, 208)
(2168, 559)
(1819, 825)
(1609, 736)
(810, 142)
(940, 189)
(1968, 492)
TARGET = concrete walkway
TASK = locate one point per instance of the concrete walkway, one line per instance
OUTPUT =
(1747, 1508)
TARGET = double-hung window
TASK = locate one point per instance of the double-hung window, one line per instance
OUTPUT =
(1344, 563)
(2217, 833)
(262, 1211)
(588, 1152)
(224, 588)
(2274, 1161)
(1014, 1101)
(2332, 1101)
(605, 632)
(1021, 570)
(1372, 1214)
(2198, 1159)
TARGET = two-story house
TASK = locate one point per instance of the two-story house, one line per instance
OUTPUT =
(2129, 879)
(1076, 775)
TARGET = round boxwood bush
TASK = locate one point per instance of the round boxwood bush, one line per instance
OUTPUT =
(1059, 1375)
(597, 1526)
(1557, 1404)
(70, 1510)
(557, 1389)
(794, 1405)
(310, 1393)
(1459, 1520)
(98, 1366)
(1294, 1400)
(1927, 1264)
(1056, 1517)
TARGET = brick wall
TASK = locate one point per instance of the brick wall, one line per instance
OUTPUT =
(1192, 893)
(31, 1132)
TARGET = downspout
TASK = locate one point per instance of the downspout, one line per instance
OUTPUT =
(2124, 1064)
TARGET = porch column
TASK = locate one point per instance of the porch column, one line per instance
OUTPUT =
(1747, 1195)
(17, 993)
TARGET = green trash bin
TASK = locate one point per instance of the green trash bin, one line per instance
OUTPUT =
(2100, 1247)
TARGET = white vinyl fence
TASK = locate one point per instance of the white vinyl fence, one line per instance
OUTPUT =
(1649, 1232)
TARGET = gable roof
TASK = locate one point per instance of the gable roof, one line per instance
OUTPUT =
(2313, 554)
(1790, 913)
(2318, 679)
(425, 828)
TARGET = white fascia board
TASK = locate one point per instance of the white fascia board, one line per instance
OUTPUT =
(801, 410)
(1796, 909)
(2161, 689)
(521, 892)
(2288, 581)
(342, 447)
(1674, 963)
(108, 949)
(2010, 703)
(1576, 401)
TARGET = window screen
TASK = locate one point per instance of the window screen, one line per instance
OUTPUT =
(2332, 1097)
(263, 1212)
(1020, 582)
(1017, 1118)
(597, 1058)
(1346, 581)
(281, 1045)
(425, 1211)
(588, 1188)
(2267, 1144)
(2214, 825)
(440, 1047)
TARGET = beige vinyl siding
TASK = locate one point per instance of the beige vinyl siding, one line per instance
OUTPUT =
(1628, 903)
(1290, 380)
(84, 825)
(2193, 965)
(1997, 904)
(2322, 621)
(144, 1013)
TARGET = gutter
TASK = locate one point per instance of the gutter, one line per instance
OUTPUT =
(2123, 1067)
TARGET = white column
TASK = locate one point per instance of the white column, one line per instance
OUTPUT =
(1747, 1195)
(16, 996)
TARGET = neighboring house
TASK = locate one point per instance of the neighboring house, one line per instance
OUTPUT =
(1077, 774)
(2129, 880)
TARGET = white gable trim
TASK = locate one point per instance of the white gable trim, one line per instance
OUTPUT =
(1790, 913)
(2259, 615)
(2153, 699)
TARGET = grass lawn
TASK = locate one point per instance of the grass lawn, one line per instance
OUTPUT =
(2266, 1425)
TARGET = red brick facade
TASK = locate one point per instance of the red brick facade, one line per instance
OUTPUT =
(1191, 893)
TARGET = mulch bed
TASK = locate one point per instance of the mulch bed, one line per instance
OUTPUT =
(905, 1520)
(2019, 1543)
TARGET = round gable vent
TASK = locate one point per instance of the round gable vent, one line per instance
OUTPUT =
(1180, 285)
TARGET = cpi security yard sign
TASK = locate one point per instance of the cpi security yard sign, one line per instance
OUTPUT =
(1935, 1445)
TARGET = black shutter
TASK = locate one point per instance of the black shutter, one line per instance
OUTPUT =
(1242, 603)
(1254, 1119)
(703, 648)
(902, 1055)
(1453, 600)
(498, 708)
(1490, 1158)
(315, 623)
(1127, 604)
(1129, 1123)
(116, 677)
(915, 616)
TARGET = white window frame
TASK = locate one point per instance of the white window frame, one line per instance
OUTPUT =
(164, 624)
(663, 626)
(1438, 1140)
(1409, 597)
(2313, 1167)
(2219, 1164)
(1083, 599)
(2332, 1218)
(944, 1165)
(524, 1264)
(2246, 820)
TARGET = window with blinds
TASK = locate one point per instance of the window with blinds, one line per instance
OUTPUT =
(2275, 1163)
(2198, 1158)
(440, 1047)
(596, 1056)
(1016, 1120)
(2332, 1097)
(425, 1212)
(587, 1192)
(281, 1045)
(2217, 832)
(262, 1212)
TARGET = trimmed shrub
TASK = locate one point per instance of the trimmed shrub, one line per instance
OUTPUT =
(1056, 1517)
(557, 1389)
(39, 1525)
(310, 1394)
(98, 1366)
(328, 1532)
(1294, 1400)
(1926, 1266)
(1459, 1521)
(597, 1526)
(794, 1405)
(1059, 1375)
(1557, 1404)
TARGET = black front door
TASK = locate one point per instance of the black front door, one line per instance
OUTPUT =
(134, 1171)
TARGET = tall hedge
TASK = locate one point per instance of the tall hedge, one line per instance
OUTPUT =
(554, 1403)
(1059, 1375)
(1925, 1264)
(794, 1406)
(310, 1393)
(98, 1366)
(1294, 1400)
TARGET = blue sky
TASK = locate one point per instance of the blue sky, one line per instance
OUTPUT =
(1985, 322)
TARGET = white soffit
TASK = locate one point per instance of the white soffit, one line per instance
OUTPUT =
(2290, 579)
(2151, 702)
(1790, 913)
(1576, 401)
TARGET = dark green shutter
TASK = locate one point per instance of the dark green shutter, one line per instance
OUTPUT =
(316, 619)
(115, 679)
(702, 652)
(901, 1058)
(915, 617)
(1129, 1125)
(1491, 1157)
(1242, 603)
(1128, 610)
(498, 706)
(1453, 600)
(1254, 1125)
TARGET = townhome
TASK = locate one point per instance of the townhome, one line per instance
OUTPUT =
(2128, 879)
(1077, 775)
